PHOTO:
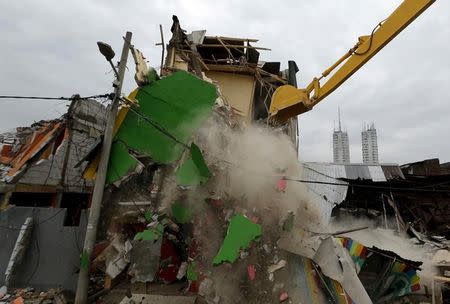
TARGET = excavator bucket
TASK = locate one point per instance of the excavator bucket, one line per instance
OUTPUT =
(288, 101)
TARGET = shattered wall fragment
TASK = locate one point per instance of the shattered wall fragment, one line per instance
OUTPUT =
(241, 232)
(169, 111)
(48, 261)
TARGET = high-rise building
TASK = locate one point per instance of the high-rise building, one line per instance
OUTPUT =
(369, 144)
(341, 150)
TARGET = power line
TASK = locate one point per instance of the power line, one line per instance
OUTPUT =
(158, 127)
(40, 223)
(364, 186)
(74, 97)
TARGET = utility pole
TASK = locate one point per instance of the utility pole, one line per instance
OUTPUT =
(97, 196)
(163, 49)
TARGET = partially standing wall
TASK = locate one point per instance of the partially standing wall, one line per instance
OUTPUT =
(52, 256)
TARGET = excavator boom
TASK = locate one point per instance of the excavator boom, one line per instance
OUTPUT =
(288, 101)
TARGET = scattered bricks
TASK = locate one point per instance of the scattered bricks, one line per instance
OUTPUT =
(281, 185)
(283, 297)
(18, 300)
(254, 219)
(251, 270)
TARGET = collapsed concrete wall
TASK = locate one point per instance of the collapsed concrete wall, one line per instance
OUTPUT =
(52, 256)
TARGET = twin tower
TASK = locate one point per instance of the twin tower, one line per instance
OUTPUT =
(341, 149)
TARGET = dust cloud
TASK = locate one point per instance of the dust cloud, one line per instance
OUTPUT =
(247, 164)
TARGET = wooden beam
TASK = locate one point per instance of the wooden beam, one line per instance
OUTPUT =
(231, 68)
(228, 50)
(233, 46)
(35, 188)
(232, 39)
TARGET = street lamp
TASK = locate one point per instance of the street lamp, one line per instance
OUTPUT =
(109, 54)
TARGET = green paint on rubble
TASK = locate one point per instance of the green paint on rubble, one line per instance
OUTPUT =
(191, 272)
(160, 229)
(241, 232)
(152, 75)
(84, 260)
(121, 163)
(194, 170)
(151, 234)
(181, 213)
(177, 104)
(148, 215)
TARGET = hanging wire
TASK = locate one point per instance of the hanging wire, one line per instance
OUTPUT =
(74, 97)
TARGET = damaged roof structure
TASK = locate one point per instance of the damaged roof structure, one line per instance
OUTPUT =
(29, 153)
(206, 201)
(417, 197)
(42, 166)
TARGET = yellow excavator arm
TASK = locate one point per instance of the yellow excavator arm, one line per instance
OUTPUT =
(288, 101)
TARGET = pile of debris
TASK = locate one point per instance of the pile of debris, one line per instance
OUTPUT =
(204, 200)
(201, 206)
(32, 296)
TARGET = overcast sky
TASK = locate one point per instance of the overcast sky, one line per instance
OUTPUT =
(49, 49)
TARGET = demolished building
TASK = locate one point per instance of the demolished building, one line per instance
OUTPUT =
(45, 159)
(201, 203)
(180, 197)
(41, 181)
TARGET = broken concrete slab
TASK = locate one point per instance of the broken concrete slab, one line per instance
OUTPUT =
(299, 242)
(441, 258)
(117, 257)
(241, 232)
(193, 171)
(277, 266)
(121, 164)
(169, 111)
(144, 260)
(158, 299)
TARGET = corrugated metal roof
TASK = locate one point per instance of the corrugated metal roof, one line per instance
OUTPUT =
(376, 173)
(328, 169)
(325, 196)
(392, 172)
(334, 188)
(357, 172)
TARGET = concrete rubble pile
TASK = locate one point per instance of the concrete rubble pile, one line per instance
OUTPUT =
(32, 296)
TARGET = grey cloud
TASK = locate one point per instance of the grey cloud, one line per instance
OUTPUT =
(49, 49)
